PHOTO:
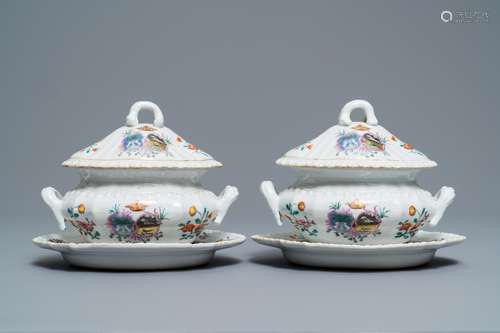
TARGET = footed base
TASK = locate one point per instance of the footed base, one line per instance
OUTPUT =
(346, 260)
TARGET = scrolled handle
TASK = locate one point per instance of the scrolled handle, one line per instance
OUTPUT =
(132, 119)
(273, 199)
(345, 113)
(443, 198)
(53, 199)
(225, 199)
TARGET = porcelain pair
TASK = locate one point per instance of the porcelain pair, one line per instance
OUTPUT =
(356, 184)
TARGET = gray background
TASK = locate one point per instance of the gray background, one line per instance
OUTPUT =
(246, 81)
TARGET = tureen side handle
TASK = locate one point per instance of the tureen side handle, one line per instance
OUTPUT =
(268, 190)
(444, 197)
(53, 199)
(225, 200)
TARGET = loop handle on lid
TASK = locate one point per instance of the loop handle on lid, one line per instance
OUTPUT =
(147, 106)
(345, 113)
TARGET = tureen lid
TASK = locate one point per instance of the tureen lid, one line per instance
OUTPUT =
(138, 145)
(355, 144)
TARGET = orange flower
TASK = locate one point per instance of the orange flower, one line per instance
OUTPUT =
(179, 139)
(81, 208)
(408, 146)
(309, 146)
(192, 210)
(393, 138)
(412, 210)
(301, 206)
(192, 147)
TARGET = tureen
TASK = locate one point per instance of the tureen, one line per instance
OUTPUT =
(141, 183)
(357, 184)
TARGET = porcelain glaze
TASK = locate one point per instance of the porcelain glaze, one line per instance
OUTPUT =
(357, 205)
(139, 204)
(139, 256)
(418, 252)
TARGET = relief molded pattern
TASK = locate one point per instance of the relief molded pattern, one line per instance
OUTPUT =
(147, 191)
(346, 192)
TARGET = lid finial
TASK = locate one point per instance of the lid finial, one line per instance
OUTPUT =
(345, 113)
(132, 119)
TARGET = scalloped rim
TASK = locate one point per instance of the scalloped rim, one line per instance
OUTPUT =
(141, 164)
(43, 242)
(351, 163)
(448, 239)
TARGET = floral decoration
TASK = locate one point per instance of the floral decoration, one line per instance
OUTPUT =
(134, 224)
(144, 142)
(190, 146)
(305, 146)
(367, 144)
(82, 222)
(90, 149)
(197, 222)
(409, 227)
(406, 146)
(295, 214)
(342, 220)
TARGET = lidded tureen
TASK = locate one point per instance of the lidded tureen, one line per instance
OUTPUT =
(141, 183)
(357, 185)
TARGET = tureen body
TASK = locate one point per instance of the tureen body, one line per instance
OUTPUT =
(362, 199)
(141, 200)
(357, 207)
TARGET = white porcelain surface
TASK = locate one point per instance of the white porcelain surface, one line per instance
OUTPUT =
(139, 256)
(139, 145)
(149, 191)
(356, 144)
(364, 193)
(418, 252)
